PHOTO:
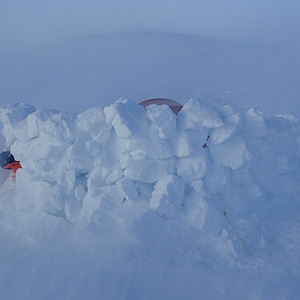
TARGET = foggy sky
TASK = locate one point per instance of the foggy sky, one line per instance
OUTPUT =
(263, 66)
(34, 22)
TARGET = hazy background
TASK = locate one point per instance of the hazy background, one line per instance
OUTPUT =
(24, 22)
(44, 59)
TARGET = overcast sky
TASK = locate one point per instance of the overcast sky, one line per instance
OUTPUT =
(24, 22)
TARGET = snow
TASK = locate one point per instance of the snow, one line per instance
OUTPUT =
(195, 115)
(163, 119)
(94, 69)
(125, 203)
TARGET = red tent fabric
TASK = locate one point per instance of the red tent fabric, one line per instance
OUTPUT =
(175, 106)
(13, 166)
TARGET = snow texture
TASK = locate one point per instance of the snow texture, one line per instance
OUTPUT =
(139, 201)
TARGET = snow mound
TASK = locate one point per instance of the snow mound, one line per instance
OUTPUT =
(120, 166)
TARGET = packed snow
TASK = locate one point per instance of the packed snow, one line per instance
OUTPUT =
(123, 202)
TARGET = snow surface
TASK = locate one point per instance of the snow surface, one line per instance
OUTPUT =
(125, 203)
(87, 71)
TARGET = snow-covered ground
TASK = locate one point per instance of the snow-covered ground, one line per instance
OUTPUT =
(77, 74)
(119, 202)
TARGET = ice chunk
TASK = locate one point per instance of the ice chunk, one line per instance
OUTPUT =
(197, 185)
(193, 167)
(251, 189)
(255, 123)
(196, 211)
(163, 118)
(79, 192)
(232, 124)
(78, 157)
(36, 120)
(103, 172)
(99, 205)
(218, 180)
(66, 176)
(167, 196)
(37, 149)
(92, 147)
(93, 122)
(59, 128)
(103, 175)
(128, 188)
(231, 154)
(197, 115)
(126, 117)
(151, 145)
(186, 142)
(147, 170)
(72, 209)
(181, 144)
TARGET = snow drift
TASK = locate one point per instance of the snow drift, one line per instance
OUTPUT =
(126, 169)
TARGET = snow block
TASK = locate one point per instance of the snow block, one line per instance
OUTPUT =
(218, 180)
(193, 167)
(128, 188)
(59, 129)
(167, 196)
(148, 145)
(232, 124)
(196, 210)
(93, 122)
(255, 123)
(231, 154)
(181, 144)
(163, 118)
(103, 175)
(99, 205)
(78, 157)
(72, 209)
(147, 170)
(185, 142)
(36, 120)
(197, 115)
(126, 117)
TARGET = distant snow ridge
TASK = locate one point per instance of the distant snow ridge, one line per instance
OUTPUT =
(97, 166)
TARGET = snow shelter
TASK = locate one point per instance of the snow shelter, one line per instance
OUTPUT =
(175, 106)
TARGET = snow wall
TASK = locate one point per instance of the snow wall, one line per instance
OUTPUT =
(117, 166)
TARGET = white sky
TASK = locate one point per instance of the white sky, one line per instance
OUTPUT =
(40, 21)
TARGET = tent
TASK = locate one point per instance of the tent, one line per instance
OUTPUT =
(175, 106)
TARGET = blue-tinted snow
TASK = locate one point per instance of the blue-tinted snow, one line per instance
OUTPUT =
(131, 213)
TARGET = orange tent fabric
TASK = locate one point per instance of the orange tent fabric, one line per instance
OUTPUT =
(14, 166)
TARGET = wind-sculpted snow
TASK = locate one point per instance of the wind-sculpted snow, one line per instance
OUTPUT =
(123, 168)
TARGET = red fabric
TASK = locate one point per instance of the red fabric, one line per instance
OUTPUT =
(175, 106)
(14, 166)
